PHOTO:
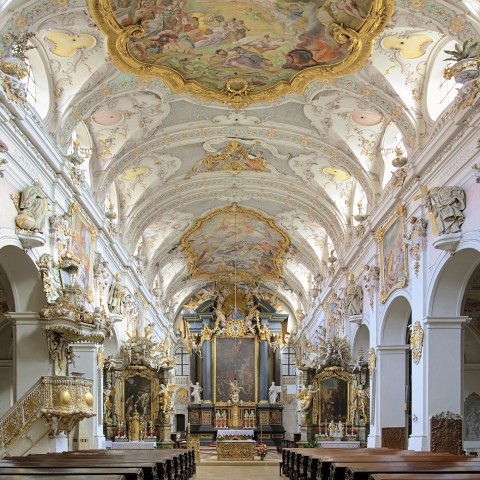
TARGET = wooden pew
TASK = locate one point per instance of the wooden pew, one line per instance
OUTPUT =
(149, 467)
(424, 476)
(361, 471)
(130, 473)
(65, 477)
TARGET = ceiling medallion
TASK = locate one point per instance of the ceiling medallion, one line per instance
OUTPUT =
(235, 244)
(240, 52)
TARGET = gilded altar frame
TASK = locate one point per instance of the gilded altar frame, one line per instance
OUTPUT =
(392, 252)
(334, 375)
(241, 336)
(131, 375)
(83, 235)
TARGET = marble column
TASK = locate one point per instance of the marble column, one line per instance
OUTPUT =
(443, 351)
(31, 359)
(264, 363)
(90, 430)
(207, 368)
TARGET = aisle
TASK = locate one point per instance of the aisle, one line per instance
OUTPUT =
(237, 472)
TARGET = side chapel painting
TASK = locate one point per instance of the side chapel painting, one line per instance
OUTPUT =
(202, 44)
(82, 246)
(333, 400)
(393, 255)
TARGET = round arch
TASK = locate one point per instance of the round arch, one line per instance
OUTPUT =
(361, 341)
(24, 279)
(395, 321)
(446, 295)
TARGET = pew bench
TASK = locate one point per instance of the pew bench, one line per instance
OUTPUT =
(65, 477)
(130, 473)
(424, 476)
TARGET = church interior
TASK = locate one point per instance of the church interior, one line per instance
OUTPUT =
(243, 226)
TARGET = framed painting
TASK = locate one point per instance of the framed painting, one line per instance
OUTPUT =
(83, 247)
(393, 255)
(136, 391)
(235, 358)
(333, 400)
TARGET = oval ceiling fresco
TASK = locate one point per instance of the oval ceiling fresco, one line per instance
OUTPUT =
(240, 51)
(235, 243)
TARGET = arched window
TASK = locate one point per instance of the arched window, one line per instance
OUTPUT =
(182, 368)
(288, 361)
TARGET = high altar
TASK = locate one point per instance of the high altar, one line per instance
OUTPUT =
(235, 352)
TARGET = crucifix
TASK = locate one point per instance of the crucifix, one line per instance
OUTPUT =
(425, 192)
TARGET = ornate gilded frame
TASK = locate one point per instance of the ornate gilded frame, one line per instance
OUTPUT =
(121, 376)
(80, 224)
(338, 373)
(228, 335)
(237, 90)
(240, 276)
(395, 228)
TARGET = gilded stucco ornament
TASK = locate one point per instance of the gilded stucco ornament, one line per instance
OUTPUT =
(222, 53)
(416, 342)
(372, 360)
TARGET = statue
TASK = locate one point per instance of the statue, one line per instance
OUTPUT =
(447, 204)
(116, 295)
(52, 280)
(273, 392)
(107, 404)
(234, 392)
(305, 398)
(34, 203)
(353, 297)
(134, 427)
(168, 393)
(196, 392)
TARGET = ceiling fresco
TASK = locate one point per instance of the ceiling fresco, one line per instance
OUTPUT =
(186, 108)
(235, 243)
(241, 48)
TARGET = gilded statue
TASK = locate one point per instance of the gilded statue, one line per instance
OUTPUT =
(305, 398)
(134, 427)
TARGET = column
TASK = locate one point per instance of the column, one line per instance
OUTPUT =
(391, 381)
(264, 363)
(443, 351)
(90, 430)
(277, 367)
(31, 359)
(193, 368)
(207, 371)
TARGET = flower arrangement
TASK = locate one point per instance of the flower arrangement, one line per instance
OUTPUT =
(261, 449)
(120, 435)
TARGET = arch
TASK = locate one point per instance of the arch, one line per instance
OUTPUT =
(24, 278)
(447, 292)
(361, 341)
(395, 321)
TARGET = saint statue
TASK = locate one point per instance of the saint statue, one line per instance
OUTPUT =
(134, 427)
(116, 294)
(196, 393)
(353, 297)
(273, 393)
(34, 203)
(52, 280)
(447, 204)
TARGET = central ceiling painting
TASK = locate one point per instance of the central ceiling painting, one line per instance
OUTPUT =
(240, 51)
(235, 243)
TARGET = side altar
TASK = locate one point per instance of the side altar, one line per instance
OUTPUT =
(235, 343)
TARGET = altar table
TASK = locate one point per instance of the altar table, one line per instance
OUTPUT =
(346, 444)
(231, 434)
(235, 450)
(133, 445)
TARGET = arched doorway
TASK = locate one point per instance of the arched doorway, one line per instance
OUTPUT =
(393, 369)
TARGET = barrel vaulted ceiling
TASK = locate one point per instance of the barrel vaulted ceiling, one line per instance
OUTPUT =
(300, 160)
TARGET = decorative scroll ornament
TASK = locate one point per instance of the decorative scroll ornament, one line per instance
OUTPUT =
(221, 52)
(372, 360)
(416, 240)
(371, 278)
(3, 161)
(416, 342)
